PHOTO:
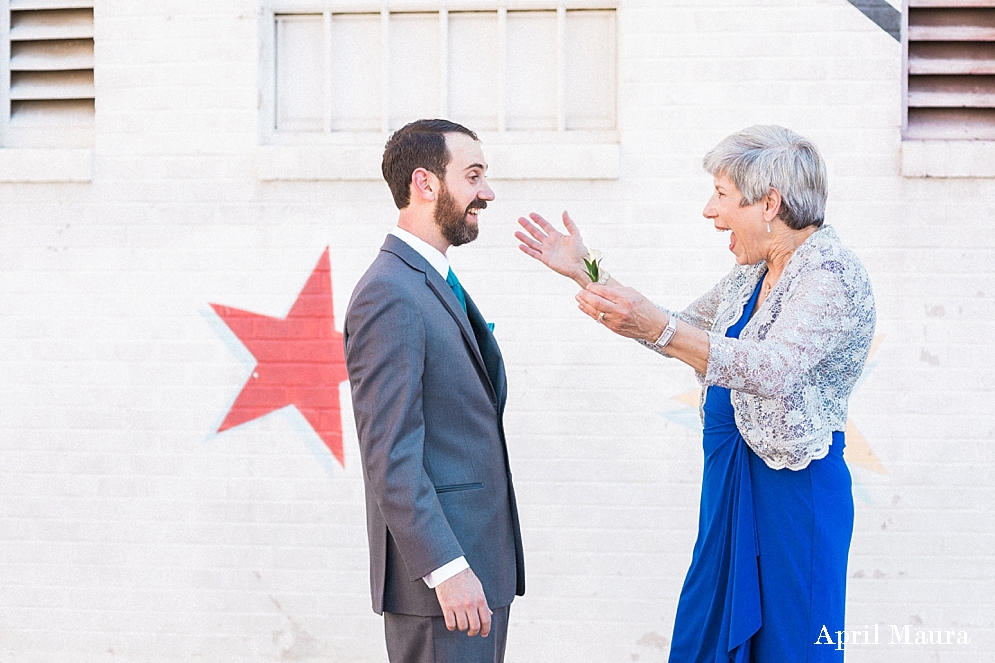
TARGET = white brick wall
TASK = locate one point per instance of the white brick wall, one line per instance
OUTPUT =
(129, 531)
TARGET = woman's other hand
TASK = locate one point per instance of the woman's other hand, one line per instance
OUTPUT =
(626, 312)
(564, 254)
(629, 314)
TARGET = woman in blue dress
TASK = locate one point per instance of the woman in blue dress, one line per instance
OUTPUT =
(777, 345)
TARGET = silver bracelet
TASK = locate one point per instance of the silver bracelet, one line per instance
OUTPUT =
(668, 333)
(603, 277)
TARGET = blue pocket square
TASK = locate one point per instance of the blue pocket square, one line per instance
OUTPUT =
(490, 325)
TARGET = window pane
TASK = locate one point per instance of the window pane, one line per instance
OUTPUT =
(356, 72)
(300, 62)
(531, 70)
(414, 67)
(474, 69)
(590, 70)
(330, 77)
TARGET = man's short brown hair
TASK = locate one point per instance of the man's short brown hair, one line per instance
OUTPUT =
(420, 144)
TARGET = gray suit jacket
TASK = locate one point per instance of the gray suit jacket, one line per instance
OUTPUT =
(428, 392)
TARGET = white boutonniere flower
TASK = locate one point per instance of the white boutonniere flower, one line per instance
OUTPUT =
(593, 264)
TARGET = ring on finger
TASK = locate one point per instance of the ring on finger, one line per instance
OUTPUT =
(601, 317)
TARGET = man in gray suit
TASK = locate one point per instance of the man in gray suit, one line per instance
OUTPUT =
(428, 392)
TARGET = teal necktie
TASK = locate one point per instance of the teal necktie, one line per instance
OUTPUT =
(457, 288)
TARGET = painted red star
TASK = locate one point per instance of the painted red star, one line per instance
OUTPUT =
(300, 361)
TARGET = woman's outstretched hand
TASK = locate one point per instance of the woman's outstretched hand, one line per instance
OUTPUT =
(564, 254)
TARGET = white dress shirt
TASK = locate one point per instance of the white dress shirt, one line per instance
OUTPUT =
(436, 258)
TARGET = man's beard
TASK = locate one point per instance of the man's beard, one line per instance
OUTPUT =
(452, 222)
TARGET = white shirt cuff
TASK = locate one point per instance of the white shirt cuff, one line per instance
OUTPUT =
(445, 572)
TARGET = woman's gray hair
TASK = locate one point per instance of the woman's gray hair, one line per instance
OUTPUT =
(765, 157)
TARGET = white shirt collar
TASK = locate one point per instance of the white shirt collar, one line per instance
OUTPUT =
(437, 259)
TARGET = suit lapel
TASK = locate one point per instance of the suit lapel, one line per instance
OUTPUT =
(488, 347)
(438, 285)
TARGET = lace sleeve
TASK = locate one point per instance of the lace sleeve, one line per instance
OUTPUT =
(700, 313)
(811, 321)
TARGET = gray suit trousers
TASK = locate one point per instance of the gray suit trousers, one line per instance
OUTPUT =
(415, 639)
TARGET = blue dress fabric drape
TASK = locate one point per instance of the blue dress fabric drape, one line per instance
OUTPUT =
(768, 569)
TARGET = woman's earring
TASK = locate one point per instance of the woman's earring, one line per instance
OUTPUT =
(768, 226)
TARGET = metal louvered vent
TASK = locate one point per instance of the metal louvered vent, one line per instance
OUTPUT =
(51, 74)
(951, 70)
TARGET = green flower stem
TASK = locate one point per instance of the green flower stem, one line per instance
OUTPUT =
(593, 269)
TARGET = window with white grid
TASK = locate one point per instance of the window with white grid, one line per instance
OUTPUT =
(48, 91)
(525, 67)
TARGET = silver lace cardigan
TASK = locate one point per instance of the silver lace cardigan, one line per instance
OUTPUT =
(793, 367)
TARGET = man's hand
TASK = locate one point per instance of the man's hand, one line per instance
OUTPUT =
(464, 605)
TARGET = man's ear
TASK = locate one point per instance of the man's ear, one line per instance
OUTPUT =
(424, 184)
